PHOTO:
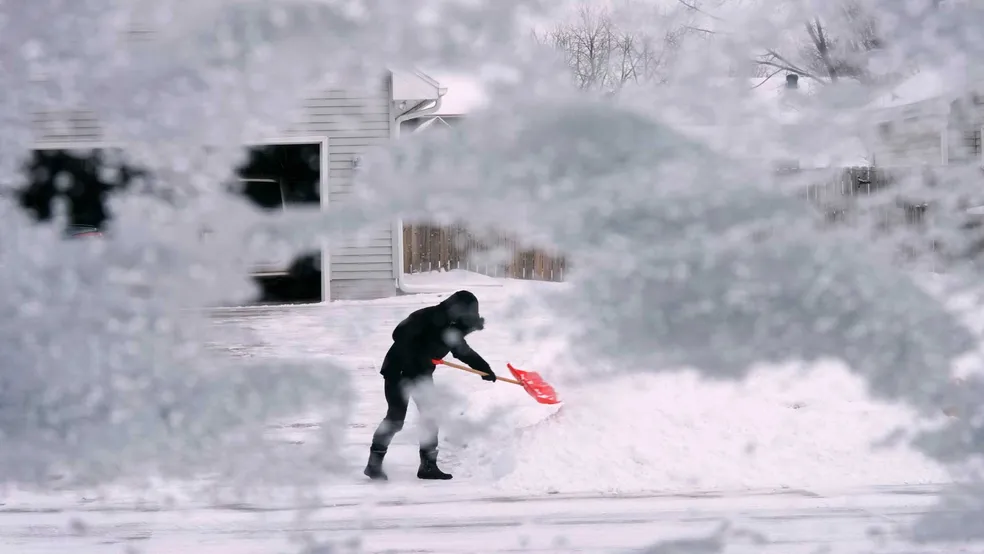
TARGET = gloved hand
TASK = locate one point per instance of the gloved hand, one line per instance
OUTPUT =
(489, 374)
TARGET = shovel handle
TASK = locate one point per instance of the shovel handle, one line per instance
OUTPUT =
(475, 371)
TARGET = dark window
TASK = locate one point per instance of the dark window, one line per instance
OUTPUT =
(972, 142)
(296, 167)
(84, 177)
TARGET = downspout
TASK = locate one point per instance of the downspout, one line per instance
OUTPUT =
(413, 113)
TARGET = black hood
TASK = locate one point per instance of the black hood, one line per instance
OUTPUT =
(461, 309)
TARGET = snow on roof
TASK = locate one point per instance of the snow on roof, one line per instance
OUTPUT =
(932, 88)
(431, 121)
(772, 96)
(925, 85)
(815, 147)
(464, 94)
(791, 124)
(755, 98)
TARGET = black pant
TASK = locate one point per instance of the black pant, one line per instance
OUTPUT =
(397, 402)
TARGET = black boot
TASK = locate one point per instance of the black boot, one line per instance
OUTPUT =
(374, 469)
(428, 466)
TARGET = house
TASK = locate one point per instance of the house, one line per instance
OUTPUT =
(934, 117)
(339, 127)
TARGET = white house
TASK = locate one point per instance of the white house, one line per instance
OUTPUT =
(933, 118)
(345, 124)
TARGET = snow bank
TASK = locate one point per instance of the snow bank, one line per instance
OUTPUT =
(800, 427)
(781, 428)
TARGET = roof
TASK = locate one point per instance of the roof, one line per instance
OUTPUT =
(430, 121)
(925, 85)
(928, 92)
(415, 86)
(460, 93)
(465, 93)
(772, 96)
(785, 120)
(813, 146)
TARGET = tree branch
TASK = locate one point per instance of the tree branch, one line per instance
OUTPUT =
(603, 57)
(791, 69)
(822, 45)
(786, 64)
(693, 6)
(699, 30)
(767, 77)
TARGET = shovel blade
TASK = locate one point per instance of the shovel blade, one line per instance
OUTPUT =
(535, 386)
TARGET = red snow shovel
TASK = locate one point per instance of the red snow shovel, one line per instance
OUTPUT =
(532, 383)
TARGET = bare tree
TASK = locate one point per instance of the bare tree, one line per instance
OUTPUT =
(605, 57)
(835, 46)
(832, 45)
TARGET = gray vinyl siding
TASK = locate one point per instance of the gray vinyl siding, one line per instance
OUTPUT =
(59, 127)
(355, 122)
(909, 142)
(914, 137)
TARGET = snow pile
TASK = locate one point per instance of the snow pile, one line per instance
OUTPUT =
(781, 428)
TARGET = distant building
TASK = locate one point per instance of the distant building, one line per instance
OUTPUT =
(933, 118)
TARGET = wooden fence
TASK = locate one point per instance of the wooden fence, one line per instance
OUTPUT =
(432, 248)
(853, 181)
(836, 196)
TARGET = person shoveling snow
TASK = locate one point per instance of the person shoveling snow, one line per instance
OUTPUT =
(426, 335)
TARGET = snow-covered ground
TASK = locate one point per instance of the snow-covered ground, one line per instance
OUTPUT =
(627, 460)
(455, 519)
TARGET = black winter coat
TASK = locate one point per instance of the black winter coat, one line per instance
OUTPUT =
(432, 333)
